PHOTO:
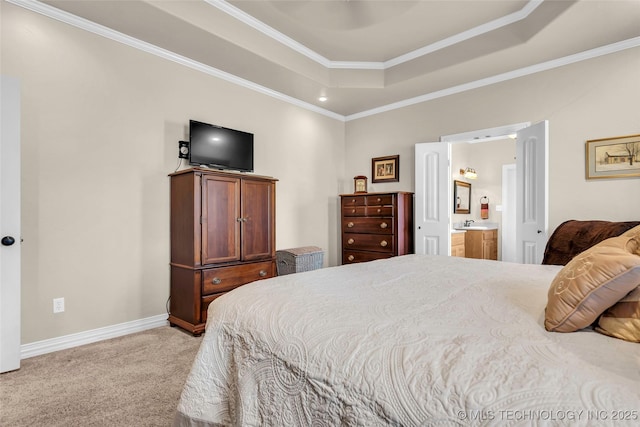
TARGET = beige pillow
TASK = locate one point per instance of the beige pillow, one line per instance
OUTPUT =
(592, 282)
(634, 232)
(623, 319)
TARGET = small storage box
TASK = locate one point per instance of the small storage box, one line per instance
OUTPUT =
(296, 260)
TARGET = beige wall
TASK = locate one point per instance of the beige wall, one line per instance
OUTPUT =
(100, 126)
(592, 99)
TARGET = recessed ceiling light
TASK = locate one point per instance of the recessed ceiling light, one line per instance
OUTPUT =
(322, 99)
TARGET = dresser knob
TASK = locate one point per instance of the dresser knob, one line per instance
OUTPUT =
(353, 211)
(216, 280)
(349, 224)
(351, 257)
(262, 273)
(379, 210)
(379, 199)
(353, 200)
(350, 241)
(383, 225)
(383, 243)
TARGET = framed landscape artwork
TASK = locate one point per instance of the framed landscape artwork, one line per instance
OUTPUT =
(617, 157)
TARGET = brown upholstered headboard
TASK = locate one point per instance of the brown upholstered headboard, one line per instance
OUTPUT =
(573, 236)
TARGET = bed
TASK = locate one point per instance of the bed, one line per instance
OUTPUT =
(413, 340)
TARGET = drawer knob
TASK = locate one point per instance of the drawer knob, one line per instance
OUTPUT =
(350, 224)
(353, 200)
(262, 273)
(351, 257)
(379, 210)
(350, 241)
(379, 199)
(353, 211)
(384, 225)
(216, 280)
(384, 243)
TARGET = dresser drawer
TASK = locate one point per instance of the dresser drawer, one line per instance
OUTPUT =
(353, 201)
(350, 257)
(224, 279)
(369, 242)
(354, 210)
(384, 199)
(379, 210)
(368, 225)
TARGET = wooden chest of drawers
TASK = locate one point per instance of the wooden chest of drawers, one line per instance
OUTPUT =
(376, 225)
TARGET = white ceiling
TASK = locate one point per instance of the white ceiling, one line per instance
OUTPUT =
(368, 56)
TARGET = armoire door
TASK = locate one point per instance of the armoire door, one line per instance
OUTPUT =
(258, 220)
(220, 219)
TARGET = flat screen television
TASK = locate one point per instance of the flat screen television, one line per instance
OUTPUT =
(220, 148)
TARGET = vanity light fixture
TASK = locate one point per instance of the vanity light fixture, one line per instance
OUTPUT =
(469, 173)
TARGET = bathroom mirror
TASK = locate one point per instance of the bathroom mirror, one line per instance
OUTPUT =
(461, 197)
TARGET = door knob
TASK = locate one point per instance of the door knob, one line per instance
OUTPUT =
(8, 240)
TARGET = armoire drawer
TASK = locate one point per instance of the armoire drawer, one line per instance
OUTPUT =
(204, 305)
(369, 242)
(223, 279)
(368, 225)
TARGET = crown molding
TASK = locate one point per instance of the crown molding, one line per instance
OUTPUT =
(92, 27)
(514, 74)
(361, 65)
(466, 35)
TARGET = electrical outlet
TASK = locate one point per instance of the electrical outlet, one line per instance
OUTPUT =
(58, 305)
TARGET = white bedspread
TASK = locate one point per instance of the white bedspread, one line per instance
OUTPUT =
(409, 341)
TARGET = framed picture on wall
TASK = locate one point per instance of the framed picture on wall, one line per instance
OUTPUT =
(617, 157)
(385, 169)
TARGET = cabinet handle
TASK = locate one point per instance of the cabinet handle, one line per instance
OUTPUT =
(351, 257)
(384, 225)
(216, 280)
(383, 243)
(350, 241)
(242, 220)
(350, 224)
(262, 273)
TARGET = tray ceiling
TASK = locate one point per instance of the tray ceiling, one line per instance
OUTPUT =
(367, 56)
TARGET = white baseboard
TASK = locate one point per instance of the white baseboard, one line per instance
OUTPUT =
(87, 337)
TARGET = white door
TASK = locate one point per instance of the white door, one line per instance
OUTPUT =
(508, 226)
(9, 225)
(532, 183)
(432, 199)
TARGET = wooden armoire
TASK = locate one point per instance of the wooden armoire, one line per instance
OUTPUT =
(222, 236)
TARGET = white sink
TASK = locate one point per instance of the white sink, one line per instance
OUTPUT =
(487, 226)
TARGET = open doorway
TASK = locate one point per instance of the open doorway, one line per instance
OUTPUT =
(434, 195)
(487, 205)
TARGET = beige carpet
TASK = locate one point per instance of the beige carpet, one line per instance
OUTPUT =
(133, 380)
